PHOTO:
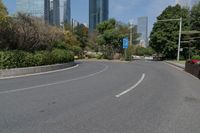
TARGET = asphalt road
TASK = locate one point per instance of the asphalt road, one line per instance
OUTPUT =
(102, 97)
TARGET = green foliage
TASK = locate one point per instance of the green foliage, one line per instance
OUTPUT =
(130, 51)
(197, 57)
(139, 51)
(18, 59)
(195, 17)
(106, 25)
(164, 36)
(81, 33)
(3, 12)
(110, 36)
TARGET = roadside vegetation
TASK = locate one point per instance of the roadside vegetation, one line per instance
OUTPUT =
(164, 36)
(27, 41)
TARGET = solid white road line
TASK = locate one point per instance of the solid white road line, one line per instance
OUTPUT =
(41, 73)
(132, 87)
(56, 83)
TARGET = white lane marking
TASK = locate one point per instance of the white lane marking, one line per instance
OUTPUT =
(56, 83)
(132, 87)
(41, 73)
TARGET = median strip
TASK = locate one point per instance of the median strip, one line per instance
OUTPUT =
(132, 87)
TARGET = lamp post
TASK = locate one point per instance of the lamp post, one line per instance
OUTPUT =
(180, 31)
(131, 31)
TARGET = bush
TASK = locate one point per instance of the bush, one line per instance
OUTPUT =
(18, 59)
(197, 57)
(61, 56)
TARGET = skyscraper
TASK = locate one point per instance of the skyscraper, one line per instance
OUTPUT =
(98, 12)
(32, 7)
(61, 12)
(142, 29)
(56, 12)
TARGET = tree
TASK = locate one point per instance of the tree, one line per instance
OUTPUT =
(81, 33)
(111, 34)
(195, 24)
(195, 17)
(164, 36)
(5, 26)
(109, 38)
(3, 12)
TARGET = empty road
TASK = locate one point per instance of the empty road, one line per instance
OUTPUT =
(102, 97)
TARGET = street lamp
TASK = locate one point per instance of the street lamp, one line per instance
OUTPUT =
(131, 31)
(180, 31)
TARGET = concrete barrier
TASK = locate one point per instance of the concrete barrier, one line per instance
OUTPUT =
(33, 70)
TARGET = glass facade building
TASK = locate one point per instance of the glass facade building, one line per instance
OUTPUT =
(32, 7)
(98, 12)
(55, 12)
(61, 12)
(142, 29)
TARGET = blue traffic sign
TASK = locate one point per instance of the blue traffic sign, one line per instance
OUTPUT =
(125, 43)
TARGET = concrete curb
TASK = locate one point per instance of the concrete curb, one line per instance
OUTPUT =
(177, 65)
(102, 60)
(34, 70)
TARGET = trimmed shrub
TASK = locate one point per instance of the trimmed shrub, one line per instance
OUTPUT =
(18, 59)
(197, 57)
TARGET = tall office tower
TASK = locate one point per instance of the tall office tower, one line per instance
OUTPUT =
(61, 12)
(98, 12)
(48, 11)
(32, 7)
(142, 29)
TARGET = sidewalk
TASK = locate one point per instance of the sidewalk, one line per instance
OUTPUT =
(175, 63)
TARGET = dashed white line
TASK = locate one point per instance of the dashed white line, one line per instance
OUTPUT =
(132, 87)
(56, 83)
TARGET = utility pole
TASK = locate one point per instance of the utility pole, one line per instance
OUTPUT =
(131, 35)
(131, 32)
(179, 41)
(180, 32)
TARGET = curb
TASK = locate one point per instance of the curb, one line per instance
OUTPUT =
(102, 60)
(17, 72)
(177, 65)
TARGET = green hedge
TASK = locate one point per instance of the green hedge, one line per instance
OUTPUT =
(18, 59)
(197, 57)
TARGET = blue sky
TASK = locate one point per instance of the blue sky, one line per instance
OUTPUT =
(122, 10)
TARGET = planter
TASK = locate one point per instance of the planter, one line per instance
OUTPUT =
(193, 69)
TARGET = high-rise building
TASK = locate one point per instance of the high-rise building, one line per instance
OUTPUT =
(61, 12)
(56, 12)
(142, 29)
(32, 7)
(98, 12)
